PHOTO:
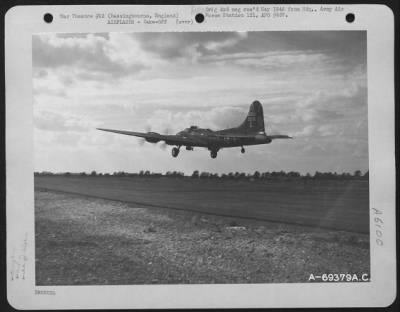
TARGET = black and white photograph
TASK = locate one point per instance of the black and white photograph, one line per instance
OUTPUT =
(200, 157)
(205, 156)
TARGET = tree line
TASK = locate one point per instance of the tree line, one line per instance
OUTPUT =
(257, 175)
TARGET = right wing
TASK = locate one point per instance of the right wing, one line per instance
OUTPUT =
(154, 137)
(137, 134)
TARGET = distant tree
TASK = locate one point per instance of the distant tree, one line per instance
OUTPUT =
(325, 175)
(345, 176)
(274, 174)
(93, 173)
(141, 173)
(293, 174)
(83, 174)
(204, 174)
(67, 174)
(256, 175)
(317, 175)
(195, 174)
(357, 174)
(46, 173)
(265, 175)
(366, 175)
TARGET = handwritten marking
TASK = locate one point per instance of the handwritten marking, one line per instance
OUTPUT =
(19, 260)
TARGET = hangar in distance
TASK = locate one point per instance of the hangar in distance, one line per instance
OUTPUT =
(250, 132)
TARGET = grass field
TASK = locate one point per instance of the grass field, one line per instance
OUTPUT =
(341, 205)
(81, 240)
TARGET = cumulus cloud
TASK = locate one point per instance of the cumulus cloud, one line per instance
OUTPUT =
(272, 60)
(216, 118)
(171, 46)
(87, 53)
(51, 121)
(70, 139)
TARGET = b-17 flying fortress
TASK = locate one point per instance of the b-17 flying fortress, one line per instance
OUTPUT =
(250, 132)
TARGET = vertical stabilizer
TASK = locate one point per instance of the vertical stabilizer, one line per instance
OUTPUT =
(254, 122)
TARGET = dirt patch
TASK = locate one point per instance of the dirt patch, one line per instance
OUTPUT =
(86, 241)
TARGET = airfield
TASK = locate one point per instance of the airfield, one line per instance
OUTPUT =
(164, 230)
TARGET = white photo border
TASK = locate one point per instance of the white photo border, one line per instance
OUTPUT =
(22, 22)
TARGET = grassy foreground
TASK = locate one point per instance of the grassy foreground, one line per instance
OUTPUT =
(88, 241)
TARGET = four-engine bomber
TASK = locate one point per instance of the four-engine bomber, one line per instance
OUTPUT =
(250, 132)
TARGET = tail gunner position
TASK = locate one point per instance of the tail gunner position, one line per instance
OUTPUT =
(250, 132)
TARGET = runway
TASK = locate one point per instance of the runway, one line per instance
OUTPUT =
(339, 205)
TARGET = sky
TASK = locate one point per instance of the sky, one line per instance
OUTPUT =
(312, 85)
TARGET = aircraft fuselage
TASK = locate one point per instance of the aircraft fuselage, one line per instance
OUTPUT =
(220, 139)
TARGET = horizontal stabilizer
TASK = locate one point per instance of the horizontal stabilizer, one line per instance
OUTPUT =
(279, 136)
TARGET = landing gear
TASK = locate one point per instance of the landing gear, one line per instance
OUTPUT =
(175, 151)
(242, 150)
(213, 154)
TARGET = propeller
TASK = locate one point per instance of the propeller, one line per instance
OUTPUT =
(141, 141)
(164, 145)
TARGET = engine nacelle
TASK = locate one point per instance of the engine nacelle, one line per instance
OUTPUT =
(154, 139)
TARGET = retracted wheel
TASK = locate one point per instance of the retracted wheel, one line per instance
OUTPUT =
(242, 150)
(213, 154)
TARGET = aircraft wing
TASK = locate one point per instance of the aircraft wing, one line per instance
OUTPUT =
(137, 134)
(154, 137)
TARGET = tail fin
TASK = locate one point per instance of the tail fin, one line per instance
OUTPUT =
(254, 121)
